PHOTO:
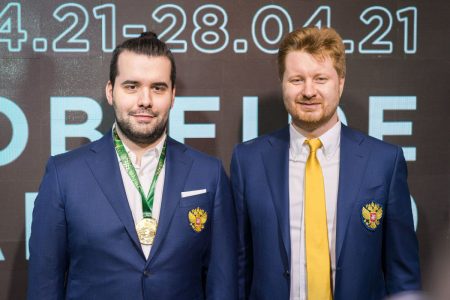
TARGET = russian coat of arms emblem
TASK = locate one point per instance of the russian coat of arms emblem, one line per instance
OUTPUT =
(197, 219)
(371, 215)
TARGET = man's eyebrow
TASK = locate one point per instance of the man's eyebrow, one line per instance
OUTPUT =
(129, 82)
(162, 83)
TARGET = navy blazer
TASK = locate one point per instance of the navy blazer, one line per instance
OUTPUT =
(370, 263)
(84, 244)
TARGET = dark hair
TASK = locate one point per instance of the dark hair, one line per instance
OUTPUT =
(147, 44)
(319, 42)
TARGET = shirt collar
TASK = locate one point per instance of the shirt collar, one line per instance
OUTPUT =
(155, 151)
(330, 141)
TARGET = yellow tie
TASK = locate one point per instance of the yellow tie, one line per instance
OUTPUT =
(316, 232)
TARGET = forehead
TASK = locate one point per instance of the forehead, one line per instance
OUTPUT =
(141, 66)
(301, 61)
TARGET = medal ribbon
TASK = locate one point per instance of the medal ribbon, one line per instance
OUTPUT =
(147, 202)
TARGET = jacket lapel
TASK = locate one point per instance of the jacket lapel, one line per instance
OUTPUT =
(276, 164)
(177, 167)
(105, 167)
(353, 161)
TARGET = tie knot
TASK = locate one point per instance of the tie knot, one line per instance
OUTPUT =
(313, 144)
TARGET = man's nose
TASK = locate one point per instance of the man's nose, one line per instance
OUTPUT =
(145, 98)
(309, 90)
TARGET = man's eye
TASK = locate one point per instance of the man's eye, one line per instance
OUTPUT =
(296, 81)
(159, 88)
(130, 87)
(321, 79)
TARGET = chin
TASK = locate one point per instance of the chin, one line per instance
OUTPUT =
(145, 137)
(313, 118)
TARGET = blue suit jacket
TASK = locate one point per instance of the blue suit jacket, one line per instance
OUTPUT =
(369, 263)
(84, 244)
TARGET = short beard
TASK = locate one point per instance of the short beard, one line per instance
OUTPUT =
(311, 125)
(146, 138)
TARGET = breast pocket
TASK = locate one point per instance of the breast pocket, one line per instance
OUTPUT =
(375, 193)
(196, 200)
(194, 215)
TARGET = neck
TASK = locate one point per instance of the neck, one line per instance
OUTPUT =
(137, 148)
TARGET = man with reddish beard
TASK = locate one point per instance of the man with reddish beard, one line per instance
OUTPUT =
(134, 215)
(323, 210)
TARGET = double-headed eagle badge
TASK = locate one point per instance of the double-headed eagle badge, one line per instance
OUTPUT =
(371, 215)
(197, 219)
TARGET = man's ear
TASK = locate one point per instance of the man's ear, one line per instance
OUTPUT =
(109, 92)
(173, 97)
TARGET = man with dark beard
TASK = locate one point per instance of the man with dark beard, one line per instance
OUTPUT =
(134, 215)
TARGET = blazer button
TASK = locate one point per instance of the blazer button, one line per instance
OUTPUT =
(287, 273)
(146, 273)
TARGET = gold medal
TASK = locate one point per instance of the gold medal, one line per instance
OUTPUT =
(146, 230)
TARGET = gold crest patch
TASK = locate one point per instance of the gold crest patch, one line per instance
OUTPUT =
(371, 215)
(197, 219)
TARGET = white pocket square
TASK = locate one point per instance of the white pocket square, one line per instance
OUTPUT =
(192, 193)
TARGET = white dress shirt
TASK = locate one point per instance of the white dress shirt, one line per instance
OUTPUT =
(145, 172)
(328, 156)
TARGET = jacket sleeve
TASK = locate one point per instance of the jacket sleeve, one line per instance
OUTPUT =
(400, 247)
(245, 259)
(221, 273)
(48, 258)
